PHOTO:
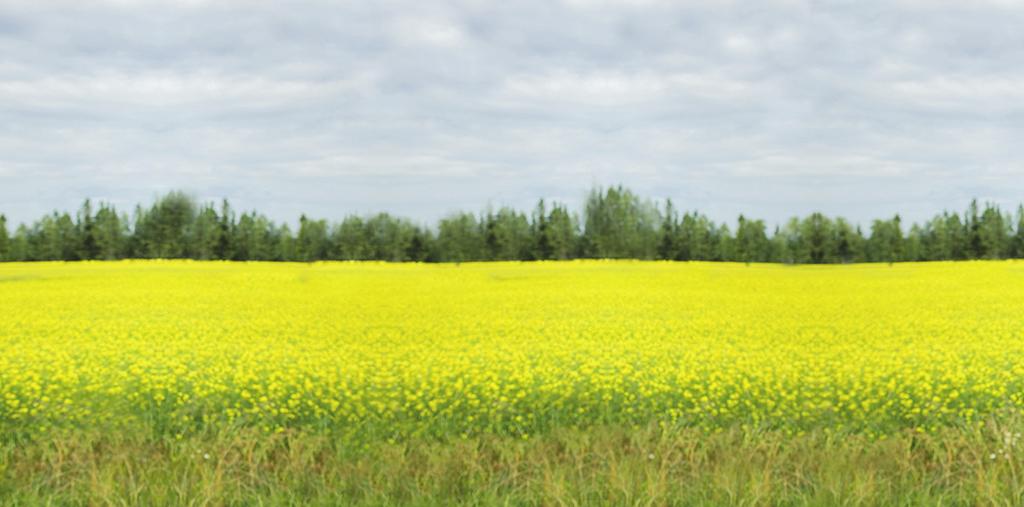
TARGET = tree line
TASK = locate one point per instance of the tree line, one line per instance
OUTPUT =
(614, 223)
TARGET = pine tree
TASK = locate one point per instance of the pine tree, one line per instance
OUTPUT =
(5, 242)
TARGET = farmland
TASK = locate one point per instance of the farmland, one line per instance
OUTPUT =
(366, 357)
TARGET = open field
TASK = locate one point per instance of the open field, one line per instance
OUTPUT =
(302, 382)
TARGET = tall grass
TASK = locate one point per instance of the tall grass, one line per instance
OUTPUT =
(600, 466)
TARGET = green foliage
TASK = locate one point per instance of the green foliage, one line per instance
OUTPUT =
(110, 232)
(5, 241)
(751, 241)
(615, 223)
(312, 242)
(54, 237)
(554, 232)
(886, 241)
(460, 239)
(696, 238)
(1017, 241)
(252, 238)
(21, 248)
(162, 231)
(420, 246)
(206, 236)
(994, 234)
(849, 242)
(618, 224)
(349, 240)
(390, 238)
(507, 235)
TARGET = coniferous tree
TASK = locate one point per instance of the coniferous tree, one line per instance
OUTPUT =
(421, 246)
(163, 229)
(777, 246)
(669, 233)
(507, 235)
(562, 233)
(251, 238)
(86, 235)
(886, 241)
(110, 233)
(694, 241)
(312, 243)
(975, 249)
(1017, 242)
(935, 242)
(225, 248)
(539, 233)
(957, 241)
(993, 233)
(849, 243)
(752, 243)
(618, 224)
(5, 242)
(206, 235)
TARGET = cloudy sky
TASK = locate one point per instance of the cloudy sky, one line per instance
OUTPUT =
(770, 109)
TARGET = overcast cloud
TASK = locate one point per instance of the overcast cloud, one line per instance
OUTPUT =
(854, 108)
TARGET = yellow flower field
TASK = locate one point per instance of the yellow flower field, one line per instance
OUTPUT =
(368, 350)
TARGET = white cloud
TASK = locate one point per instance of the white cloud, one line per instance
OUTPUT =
(772, 108)
(968, 94)
(622, 89)
(432, 32)
(741, 44)
(164, 89)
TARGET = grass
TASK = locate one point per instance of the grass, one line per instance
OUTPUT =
(598, 466)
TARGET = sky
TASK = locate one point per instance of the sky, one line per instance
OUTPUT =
(771, 109)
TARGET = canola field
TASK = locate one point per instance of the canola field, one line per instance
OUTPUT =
(386, 351)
